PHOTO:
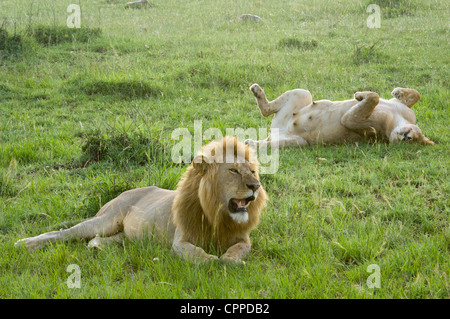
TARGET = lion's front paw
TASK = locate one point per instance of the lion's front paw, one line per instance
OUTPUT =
(95, 243)
(207, 258)
(397, 93)
(232, 260)
(201, 259)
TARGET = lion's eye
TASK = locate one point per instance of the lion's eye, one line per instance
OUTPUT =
(253, 172)
(234, 171)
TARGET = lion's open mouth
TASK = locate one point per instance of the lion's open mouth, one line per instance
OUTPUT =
(239, 205)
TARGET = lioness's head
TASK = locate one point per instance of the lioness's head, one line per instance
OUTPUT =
(409, 133)
(220, 194)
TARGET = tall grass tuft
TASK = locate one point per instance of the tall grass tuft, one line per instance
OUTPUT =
(121, 148)
(395, 8)
(367, 54)
(12, 45)
(295, 43)
(54, 34)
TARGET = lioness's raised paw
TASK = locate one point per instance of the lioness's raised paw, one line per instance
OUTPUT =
(397, 93)
(409, 97)
(257, 91)
(359, 96)
(370, 97)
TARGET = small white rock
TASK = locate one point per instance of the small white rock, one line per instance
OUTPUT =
(250, 17)
(138, 4)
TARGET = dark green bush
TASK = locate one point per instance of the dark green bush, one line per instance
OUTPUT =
(53, 34)
(10, 45)
(293, 42)
(7, 189)
(124, 88)
(113, 85)
(104, 190)
(369, 54)
(122, 148)
(395, 8)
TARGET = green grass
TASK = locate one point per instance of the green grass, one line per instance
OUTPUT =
(293, 42)
(91, 115)
(57, 34)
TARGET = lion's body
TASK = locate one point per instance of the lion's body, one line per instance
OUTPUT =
(149, 213)
(300, 121)
(195, 218)
(321, 122)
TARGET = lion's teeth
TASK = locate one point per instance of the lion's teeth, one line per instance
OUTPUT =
(240, 203)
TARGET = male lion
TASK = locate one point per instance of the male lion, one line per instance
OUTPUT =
(216, 205)
(300, 121)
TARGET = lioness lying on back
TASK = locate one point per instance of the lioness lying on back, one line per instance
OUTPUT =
(300, 121)
(216, 205)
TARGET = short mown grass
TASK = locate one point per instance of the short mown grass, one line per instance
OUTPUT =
(86, 116)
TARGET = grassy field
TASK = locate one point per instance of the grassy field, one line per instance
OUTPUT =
(86, 114)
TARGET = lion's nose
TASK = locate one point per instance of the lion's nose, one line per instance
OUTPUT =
(253, 186)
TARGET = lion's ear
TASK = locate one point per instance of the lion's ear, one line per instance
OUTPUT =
(201, 163)
(427, 141)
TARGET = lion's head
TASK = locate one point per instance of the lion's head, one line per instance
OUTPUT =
(409, 133)
(220, 196)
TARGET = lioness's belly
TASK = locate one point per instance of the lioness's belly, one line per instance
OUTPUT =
(151, 215)
(321, 123)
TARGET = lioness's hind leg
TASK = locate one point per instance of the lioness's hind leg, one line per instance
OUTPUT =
(356, 117)
(409, 97)
(267, 108)
(294, 98)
